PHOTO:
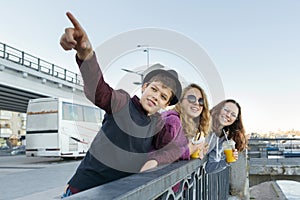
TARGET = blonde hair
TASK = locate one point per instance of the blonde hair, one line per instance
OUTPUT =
(201, 123)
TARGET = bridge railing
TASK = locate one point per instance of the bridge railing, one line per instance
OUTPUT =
(274, 147)
(188, 177)
(20, 57)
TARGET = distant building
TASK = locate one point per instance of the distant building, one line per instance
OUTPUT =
(12, 124)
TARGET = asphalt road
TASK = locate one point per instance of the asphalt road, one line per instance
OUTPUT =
(34, 178)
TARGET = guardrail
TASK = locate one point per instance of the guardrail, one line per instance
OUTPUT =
(20, 57)
(158, 184)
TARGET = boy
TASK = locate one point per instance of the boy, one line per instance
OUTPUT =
(122, 145)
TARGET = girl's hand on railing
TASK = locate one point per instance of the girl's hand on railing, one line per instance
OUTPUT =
(193, 147)
(204, 150)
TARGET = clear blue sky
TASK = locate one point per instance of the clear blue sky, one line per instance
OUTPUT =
(255, 45)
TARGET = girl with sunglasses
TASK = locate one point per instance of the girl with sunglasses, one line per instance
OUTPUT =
(189, 117)
(227, 124)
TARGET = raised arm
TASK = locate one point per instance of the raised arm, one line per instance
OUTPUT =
(95, 88)
(76, 38)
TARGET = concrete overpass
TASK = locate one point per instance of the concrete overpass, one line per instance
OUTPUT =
(24, 77)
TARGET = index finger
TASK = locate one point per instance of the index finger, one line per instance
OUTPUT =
(74, 21)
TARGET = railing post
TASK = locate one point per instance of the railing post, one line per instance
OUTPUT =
(22, 59)
(65, 74)
(4, 47)
(52, 70)
(4, 50)
(39, 66)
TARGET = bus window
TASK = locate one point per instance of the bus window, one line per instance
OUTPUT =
(98, 115)
(92, 114)
(72, 112)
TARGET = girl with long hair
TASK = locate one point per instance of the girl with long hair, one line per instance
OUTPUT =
(227, 124)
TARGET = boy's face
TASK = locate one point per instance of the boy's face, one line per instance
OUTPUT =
(155, 96)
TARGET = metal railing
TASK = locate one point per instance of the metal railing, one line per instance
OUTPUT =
(20, 57)
(179, 180)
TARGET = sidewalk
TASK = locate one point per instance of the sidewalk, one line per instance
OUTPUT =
(290, 189)
(36, 182)
(276, 190)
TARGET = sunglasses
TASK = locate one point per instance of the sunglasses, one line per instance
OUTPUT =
(193, 99)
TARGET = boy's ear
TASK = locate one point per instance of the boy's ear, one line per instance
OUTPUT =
(145, 85)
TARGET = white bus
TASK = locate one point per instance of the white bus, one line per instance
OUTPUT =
(57, 127)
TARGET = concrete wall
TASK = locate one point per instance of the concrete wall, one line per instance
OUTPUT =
(256, 179)
(239, 177)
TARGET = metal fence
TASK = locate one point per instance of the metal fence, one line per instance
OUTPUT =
(37, 64)
(181, 180)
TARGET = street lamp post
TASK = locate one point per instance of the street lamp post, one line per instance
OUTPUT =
(138, 73)
(147, 51)
(143, 72)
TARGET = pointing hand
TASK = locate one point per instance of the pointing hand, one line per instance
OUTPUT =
(76, 38)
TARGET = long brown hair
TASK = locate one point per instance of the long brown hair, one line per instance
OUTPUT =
(190, 126)
(235, 131)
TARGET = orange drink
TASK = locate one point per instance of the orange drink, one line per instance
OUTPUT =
(228, 147)
(197, 140)
(229, 155)
(196, 154)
